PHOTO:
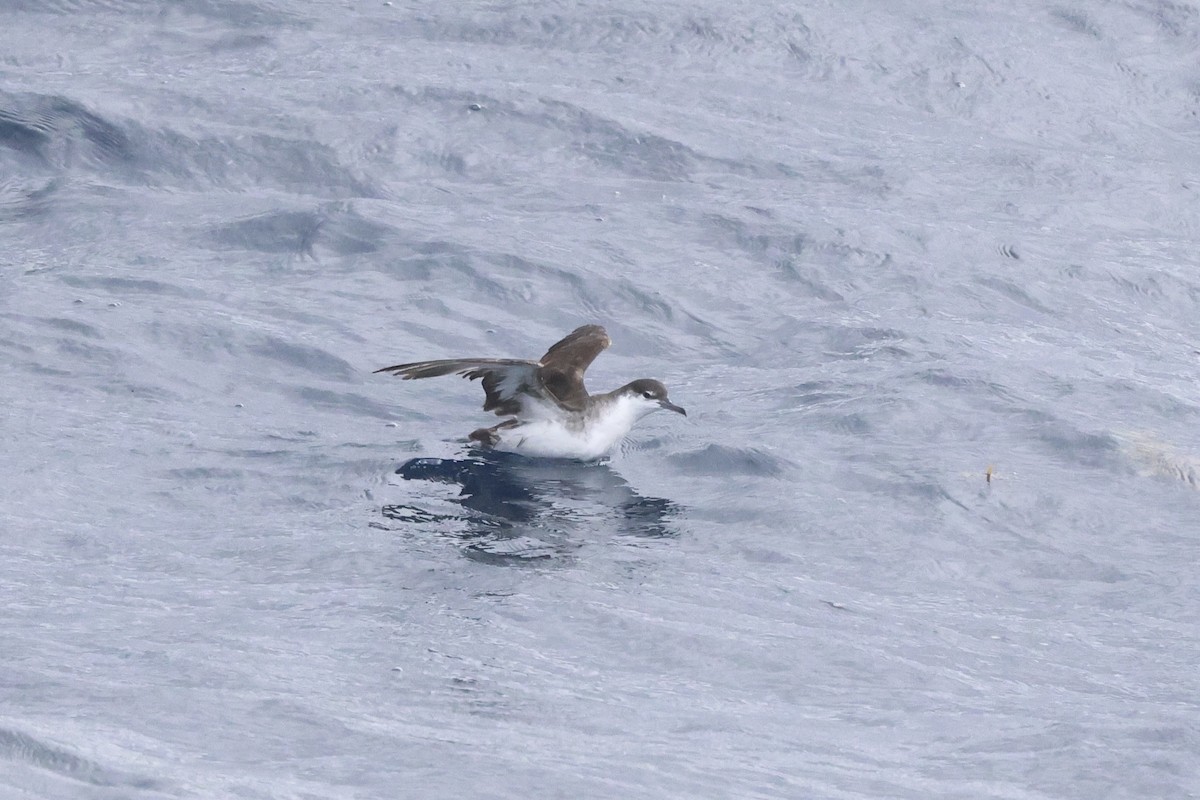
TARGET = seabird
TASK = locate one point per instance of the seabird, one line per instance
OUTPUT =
(553, 416)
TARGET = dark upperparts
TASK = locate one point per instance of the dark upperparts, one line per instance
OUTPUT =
(561, 369)
(557, 376)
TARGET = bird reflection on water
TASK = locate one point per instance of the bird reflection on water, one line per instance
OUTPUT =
(518, 509)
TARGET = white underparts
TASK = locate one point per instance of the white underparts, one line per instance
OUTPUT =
(576, 436)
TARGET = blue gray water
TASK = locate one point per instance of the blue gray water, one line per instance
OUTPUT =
(876, 249)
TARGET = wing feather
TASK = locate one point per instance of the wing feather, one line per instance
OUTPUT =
(507, 383)
(524, 389)
(565, 362)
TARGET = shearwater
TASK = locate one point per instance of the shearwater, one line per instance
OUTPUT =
(552, 414)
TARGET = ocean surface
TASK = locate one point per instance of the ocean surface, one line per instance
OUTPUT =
(925, 274)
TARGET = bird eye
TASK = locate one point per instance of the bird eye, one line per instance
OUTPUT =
(648, 395)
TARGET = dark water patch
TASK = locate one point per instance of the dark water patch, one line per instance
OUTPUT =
(66, 6)
(241, 14)
(1127, 70)
(23, 748)
(269, 455)
(233, 13)
(801, 54)
(1140, 283)
(299, 436)
(346, 401)
(862, 343)
(1015, 293)
(442, 261)
(516, 264)
(945, 379)
(501, 523)
(610, 144)
(305, 167)
(13, 345)
(312, 360)
(206, 474)
(428, 259)
(1176, 19)
(53, 372)
(139, 391)
(292, 232)
(22, 198)
(516, 507)
(817, 393)
(1164, 404)
(548, 31)
(230, 12)
(239, 41)
(1078, 21)
(649, 518)
(90, 354)
(853, 424)
(812, 284)
(71, 326)
(1073, 271)
(716, 459)
(60, 133)
(1077, 568)
(840, 255)
(812, 265)
(194, 339)
(1095, 450)
(554, 125)
(645, 302)
(754, 241)
(927, 491)
(440, 470)
(130, 286)
(444, 161)
(668, 34)
(671, 34)
(412, 514)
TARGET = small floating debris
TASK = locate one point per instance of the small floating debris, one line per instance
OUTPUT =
(990, 474)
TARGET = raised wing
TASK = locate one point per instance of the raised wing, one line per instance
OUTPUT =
(510, 384)
(565, 362)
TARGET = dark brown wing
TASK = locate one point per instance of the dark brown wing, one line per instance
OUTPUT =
(505, 380)
(563, 365)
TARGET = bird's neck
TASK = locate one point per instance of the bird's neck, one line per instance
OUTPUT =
(612, 416)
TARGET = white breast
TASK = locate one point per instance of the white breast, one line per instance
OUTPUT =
(585, 440)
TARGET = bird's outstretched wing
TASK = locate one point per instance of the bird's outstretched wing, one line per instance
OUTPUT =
(509, 383)
(561, 369)
(524, 389)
